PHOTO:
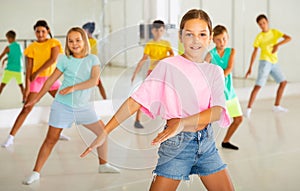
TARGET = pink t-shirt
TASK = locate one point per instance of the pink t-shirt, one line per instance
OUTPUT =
(179, 88)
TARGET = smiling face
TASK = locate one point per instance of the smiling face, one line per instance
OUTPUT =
(41, 33)
(195, 37)
(76, 44)
(221, 40)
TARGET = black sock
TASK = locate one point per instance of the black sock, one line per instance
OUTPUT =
(229, 146)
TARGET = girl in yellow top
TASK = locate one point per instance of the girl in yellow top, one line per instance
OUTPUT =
(89, 29)
(41, 58)
(156, 49)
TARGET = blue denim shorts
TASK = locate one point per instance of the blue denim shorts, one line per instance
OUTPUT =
(189, 153)
(264, 69)
(63, 116)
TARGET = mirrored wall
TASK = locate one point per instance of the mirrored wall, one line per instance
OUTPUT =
(118, 29)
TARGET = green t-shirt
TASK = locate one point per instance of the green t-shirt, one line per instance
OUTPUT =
(14, 57)
(223, 63)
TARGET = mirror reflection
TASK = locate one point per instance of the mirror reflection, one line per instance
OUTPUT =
(121, 39)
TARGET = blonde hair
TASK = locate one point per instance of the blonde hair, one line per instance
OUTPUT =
(86, 48)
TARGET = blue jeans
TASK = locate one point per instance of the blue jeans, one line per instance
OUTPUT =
(189, 153)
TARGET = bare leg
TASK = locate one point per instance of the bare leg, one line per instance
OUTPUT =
(101, 89)
(219, 181)
(22, 116)
(160, 183)
(22, 91)
(2, 87)
(138, 115)
(280, 92)
(98, 128)
(253, 95)
(137, 123)
(232, 128)
(46, 148)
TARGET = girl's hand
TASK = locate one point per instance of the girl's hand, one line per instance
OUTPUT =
(96, 143)
(67, 90)
(173, 127)
(33, 76)
(26, 94)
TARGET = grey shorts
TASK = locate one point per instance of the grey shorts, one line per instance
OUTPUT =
(63, 116)
(267, 68)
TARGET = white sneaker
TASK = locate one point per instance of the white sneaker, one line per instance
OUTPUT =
(279, 109)
(35, 176)
(9, 141)
(63, 137)
(247, 114)
(107, 168)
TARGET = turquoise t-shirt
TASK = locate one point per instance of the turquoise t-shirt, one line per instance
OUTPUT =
(14, 57)
(76, 70)
(223, 63)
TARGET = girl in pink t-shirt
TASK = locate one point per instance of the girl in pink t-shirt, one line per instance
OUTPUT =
(189, 94)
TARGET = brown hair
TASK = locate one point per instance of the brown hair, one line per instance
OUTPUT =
(11, 34)
(219, 29)
(158, 24)
(260, 17)
(195, 14)
(84, 36)
(42, 23)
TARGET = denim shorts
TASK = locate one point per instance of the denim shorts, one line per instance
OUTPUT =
(189, 153)
(63, 116)
(265, 68)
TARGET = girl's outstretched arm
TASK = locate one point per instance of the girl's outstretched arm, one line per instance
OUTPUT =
(199, 121)
(29, 66)
(93, 81)
(46, 87)
(53, 57)
(129, 107)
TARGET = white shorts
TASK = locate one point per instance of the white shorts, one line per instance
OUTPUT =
(63, 116)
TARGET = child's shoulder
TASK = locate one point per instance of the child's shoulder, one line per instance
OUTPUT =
(173, 59)
(211, 67)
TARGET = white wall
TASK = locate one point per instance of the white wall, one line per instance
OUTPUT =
(61, 15)
(238, 16)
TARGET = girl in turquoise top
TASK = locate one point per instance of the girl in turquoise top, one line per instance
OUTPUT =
(72, 103)
(224, 57)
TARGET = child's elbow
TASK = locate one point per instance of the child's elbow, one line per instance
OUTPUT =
(96, 82)
(217, 112)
